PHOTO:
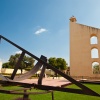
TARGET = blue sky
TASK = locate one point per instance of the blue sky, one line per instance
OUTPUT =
(42, 26)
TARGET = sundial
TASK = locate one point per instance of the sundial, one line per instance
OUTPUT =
(41, 63)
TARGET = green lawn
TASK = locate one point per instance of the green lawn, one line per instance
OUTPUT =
(57, 95)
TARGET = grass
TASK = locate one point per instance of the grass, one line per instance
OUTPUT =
(57, 95)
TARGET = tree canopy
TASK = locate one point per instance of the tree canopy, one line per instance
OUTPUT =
(26, 63)
(58, 63)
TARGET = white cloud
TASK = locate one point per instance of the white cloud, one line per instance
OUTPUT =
(18, 52)
(41, 30)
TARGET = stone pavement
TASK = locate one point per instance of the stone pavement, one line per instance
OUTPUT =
(49, 81)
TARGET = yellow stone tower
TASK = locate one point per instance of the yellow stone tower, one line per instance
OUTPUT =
(81, 59)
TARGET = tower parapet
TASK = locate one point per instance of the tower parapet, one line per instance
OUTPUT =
(73, 19)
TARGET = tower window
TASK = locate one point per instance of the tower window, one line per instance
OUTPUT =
(94, 53)
(93, 40)
(96, 68)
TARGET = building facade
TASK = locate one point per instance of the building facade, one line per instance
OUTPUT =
(84, 50)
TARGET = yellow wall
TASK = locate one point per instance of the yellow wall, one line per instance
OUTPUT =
(80, 49)
(10, 71)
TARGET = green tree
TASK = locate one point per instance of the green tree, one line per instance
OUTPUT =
(26, 63)
(61, 64)
(6, 65)
(52, 61)
(58, 63)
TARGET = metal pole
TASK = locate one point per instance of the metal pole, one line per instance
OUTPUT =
(25, 96)
(52, 95)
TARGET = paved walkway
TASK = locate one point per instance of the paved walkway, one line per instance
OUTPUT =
(49, 81)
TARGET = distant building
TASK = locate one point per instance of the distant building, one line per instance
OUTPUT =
(0, 64)
(84, 49)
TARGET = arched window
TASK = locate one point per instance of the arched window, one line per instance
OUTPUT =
(93, 40)
(94, 53)
(96, 68)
